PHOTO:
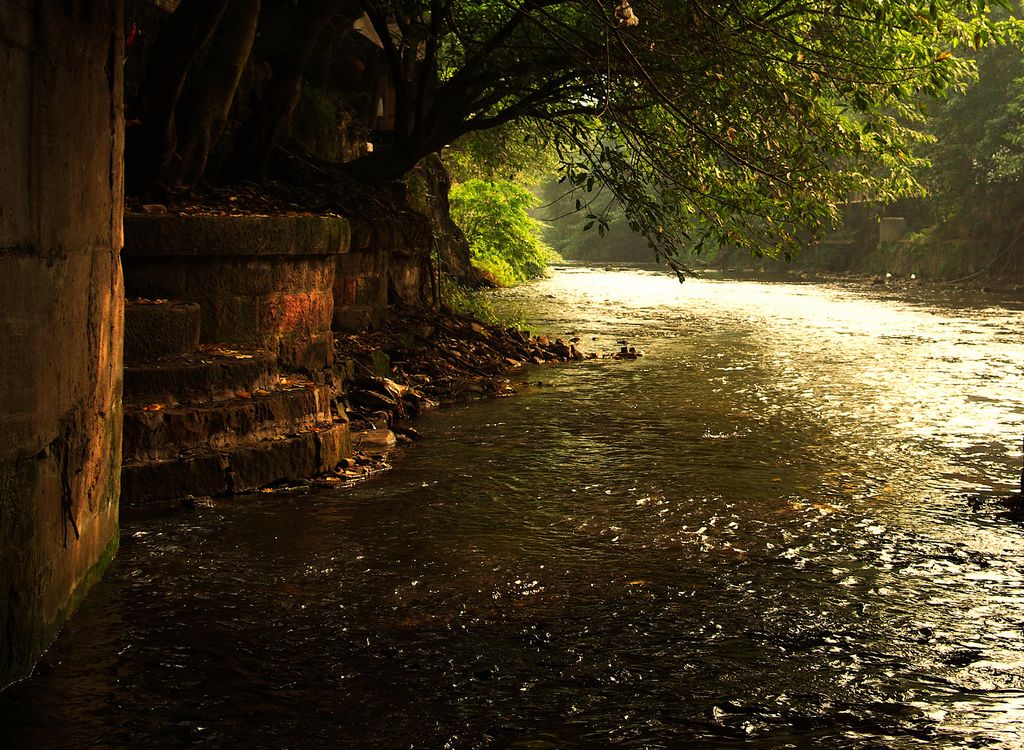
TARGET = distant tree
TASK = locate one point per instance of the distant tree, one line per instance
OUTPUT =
(979, 145)
(611, 240)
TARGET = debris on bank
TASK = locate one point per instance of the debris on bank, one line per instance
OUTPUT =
(423, 358)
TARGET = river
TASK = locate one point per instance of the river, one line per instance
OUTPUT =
(753, 535)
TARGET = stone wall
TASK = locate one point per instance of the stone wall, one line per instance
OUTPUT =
(61, 299)
(389, 263)
(260, 281)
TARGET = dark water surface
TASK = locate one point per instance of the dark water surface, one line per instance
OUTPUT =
(751, 536)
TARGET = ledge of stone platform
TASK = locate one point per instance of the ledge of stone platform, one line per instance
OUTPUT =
(159, 329)
(405, 233)
(151, 235)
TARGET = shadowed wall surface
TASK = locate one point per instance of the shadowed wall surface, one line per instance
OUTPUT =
(61, 311)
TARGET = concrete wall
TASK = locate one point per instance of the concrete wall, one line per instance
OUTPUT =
(61, 299)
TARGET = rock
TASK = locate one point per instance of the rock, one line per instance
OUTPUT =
(374, 419)
(407, 432)
(374, 441)
(563, 350)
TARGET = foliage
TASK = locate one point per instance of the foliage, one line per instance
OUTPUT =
(739, 123)
(503, 238)
(980, 139)
(474, 304)
(508, 152)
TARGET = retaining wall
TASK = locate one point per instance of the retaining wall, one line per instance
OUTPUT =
(260, 281)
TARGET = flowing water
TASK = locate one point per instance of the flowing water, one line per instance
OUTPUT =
(750, 536)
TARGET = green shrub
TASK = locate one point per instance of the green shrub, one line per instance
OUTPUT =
(503, 238)
(474, 304)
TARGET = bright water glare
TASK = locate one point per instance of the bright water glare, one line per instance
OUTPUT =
(752, 536)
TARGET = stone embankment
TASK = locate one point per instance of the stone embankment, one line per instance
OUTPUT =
(207, 419)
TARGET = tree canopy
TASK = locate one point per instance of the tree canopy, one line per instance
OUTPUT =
(741, 122)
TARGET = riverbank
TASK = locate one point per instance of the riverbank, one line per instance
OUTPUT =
(422, 358)
(910, 284)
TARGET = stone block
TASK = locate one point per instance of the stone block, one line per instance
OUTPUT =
(202, 377)
(166, 433)
(333, 445)
(242, 468)
(231, 319)
(152, 331)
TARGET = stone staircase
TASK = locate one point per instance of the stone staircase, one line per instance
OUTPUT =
(206, 419)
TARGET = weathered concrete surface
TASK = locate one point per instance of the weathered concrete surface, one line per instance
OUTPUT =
(61, 300)
(389, 262)
(261, 282)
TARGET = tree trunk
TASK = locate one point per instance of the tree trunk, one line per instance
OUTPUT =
(204, 108)
(272, 116)
(442, 125)
(150, 146)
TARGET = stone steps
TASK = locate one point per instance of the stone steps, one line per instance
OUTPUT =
(245, 467)
(200, 377)
(167, 432)
(208, 419)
